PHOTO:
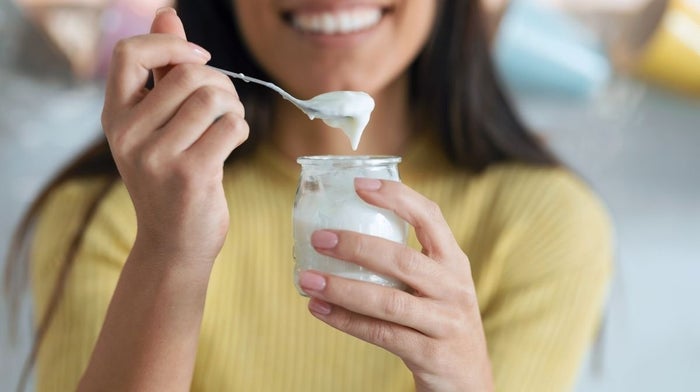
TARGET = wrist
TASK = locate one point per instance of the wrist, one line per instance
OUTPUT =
(166, 255)
(476, 376)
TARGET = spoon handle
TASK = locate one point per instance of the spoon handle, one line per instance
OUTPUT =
(245, 78)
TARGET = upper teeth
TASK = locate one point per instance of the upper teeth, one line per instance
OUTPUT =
(343, 21)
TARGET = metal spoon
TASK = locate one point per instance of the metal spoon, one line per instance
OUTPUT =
(347, 110)
(316, 107)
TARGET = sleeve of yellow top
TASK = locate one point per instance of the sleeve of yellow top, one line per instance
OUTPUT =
(69, 340)
(556, 266)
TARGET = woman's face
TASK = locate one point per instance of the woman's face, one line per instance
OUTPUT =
(313, 46)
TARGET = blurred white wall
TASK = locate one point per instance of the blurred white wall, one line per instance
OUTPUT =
(44, 120)
(638, 147)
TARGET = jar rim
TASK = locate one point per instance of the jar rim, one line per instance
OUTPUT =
(349, 160)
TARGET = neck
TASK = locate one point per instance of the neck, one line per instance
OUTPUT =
(389, 127)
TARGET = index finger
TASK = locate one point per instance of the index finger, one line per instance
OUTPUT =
(133, 59)
(424, 215)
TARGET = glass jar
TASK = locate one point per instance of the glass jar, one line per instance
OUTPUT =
(326, 199)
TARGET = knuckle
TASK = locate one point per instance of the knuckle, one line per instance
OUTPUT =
(241, 131)
(463, 260)
(467, 295)
(206, 96)
(185, 178)
(236, 129)
(106, 119)
(428, 351)
(184, 171)
(228, 121)
(237, 124)
(150, 160)
(450, 324)
(345, 322)
(121, 137)
(185, 75)
(120, 127)
(180, 174)
(119, 145)
(123, 50)
(432, 209)
(407, 261)
(359, 247)
(395, 304)
(458, 286)
(221, 79)
(456, 316)
(239, 107)
(381, 334)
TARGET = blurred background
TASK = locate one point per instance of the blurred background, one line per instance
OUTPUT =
(612, 85)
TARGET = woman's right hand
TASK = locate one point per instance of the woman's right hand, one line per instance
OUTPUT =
(169, 143)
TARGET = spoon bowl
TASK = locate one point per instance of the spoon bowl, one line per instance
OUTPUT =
(347, 110)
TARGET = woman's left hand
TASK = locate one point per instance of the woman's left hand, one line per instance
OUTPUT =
(435, 327)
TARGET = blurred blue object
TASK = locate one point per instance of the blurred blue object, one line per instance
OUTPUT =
(540, 49)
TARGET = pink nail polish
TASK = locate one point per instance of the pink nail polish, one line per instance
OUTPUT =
(311, 281)
(322, 239)
(367, 184)
(163, 10)
(319, 307)
(200, 51)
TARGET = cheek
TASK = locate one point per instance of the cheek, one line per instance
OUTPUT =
(411, 30)
(415, 26)
(256, 23)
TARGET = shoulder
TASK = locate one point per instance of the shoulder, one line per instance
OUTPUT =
(548, 219)
(517, 194)
(524, 191)
(99, 207)
(504, 191)
(74, 198)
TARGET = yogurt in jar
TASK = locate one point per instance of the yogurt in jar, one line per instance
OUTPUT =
(326, 199)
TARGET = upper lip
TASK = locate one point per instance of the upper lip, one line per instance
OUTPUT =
(329, 6)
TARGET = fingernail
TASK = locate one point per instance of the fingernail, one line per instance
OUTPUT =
(319, 307)
(311, 281)
(367, 184)
(323, 239)
(164, 10)
(200, 51)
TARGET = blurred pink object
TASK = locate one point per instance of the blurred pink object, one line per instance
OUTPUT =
(121, 19)
(85, 31)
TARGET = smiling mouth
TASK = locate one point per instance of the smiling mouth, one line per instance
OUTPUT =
(336, 22)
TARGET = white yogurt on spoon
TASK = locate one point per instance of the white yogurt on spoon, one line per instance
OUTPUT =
(347, 110)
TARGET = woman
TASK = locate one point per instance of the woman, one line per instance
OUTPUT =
(134, 257)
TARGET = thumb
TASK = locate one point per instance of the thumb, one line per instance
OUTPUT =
(166, 21)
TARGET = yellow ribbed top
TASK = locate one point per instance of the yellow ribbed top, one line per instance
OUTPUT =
(539, 242)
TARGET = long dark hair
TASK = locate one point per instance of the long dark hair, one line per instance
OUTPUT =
(454, 87)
